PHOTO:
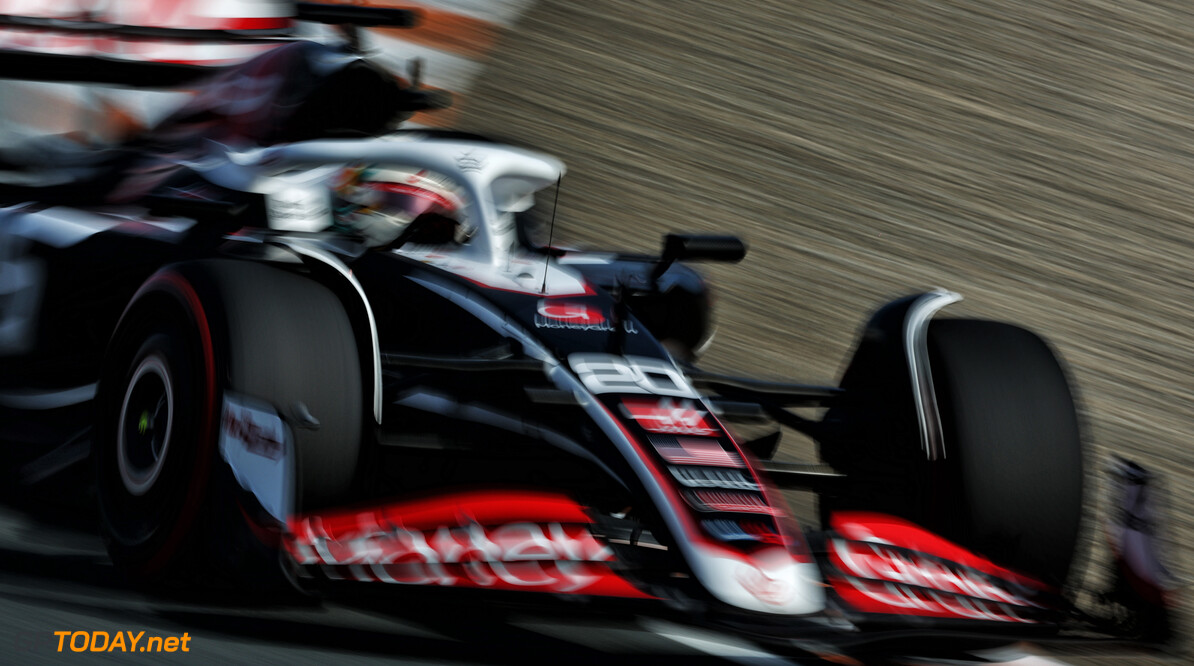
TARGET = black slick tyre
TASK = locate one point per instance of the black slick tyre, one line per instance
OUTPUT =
(195, 335)
(1013, 475)
(1009, 484)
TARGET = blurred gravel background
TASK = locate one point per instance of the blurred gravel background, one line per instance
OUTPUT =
(1034, 156)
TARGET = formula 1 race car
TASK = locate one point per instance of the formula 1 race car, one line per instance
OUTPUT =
(303, 350)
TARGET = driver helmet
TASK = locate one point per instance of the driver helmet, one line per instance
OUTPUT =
(386, 204)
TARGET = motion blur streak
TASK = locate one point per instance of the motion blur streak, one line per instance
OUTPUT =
(455, 40)
(489, 539)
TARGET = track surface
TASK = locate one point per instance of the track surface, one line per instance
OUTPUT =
(1030, 155)
(1034, 156)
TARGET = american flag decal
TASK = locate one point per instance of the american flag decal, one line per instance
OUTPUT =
(691, 451)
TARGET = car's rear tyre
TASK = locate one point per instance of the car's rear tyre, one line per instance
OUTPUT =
(1010, 485)
(194, 333)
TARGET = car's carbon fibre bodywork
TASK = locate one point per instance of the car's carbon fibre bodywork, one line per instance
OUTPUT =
(529, 417)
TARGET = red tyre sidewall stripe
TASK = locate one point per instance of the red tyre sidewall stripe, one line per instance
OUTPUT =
(204, 448)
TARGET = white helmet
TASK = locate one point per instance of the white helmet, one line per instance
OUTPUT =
(389, 204)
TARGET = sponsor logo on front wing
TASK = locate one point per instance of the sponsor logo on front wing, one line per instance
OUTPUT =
(549, 557)
(874, 561)
(880, 579)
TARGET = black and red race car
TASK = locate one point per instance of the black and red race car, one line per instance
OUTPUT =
(301, 350)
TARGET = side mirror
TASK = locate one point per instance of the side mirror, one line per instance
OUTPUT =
(677, 247)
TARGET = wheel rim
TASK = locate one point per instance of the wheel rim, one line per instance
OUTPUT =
(146, 423)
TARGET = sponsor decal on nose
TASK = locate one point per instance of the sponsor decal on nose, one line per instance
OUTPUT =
(688, 451)
(669, 416)
(578, 313)
(729, 501)
(713, 477)
(574, 316)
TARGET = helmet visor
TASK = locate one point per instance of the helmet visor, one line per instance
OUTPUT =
(408, 201)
